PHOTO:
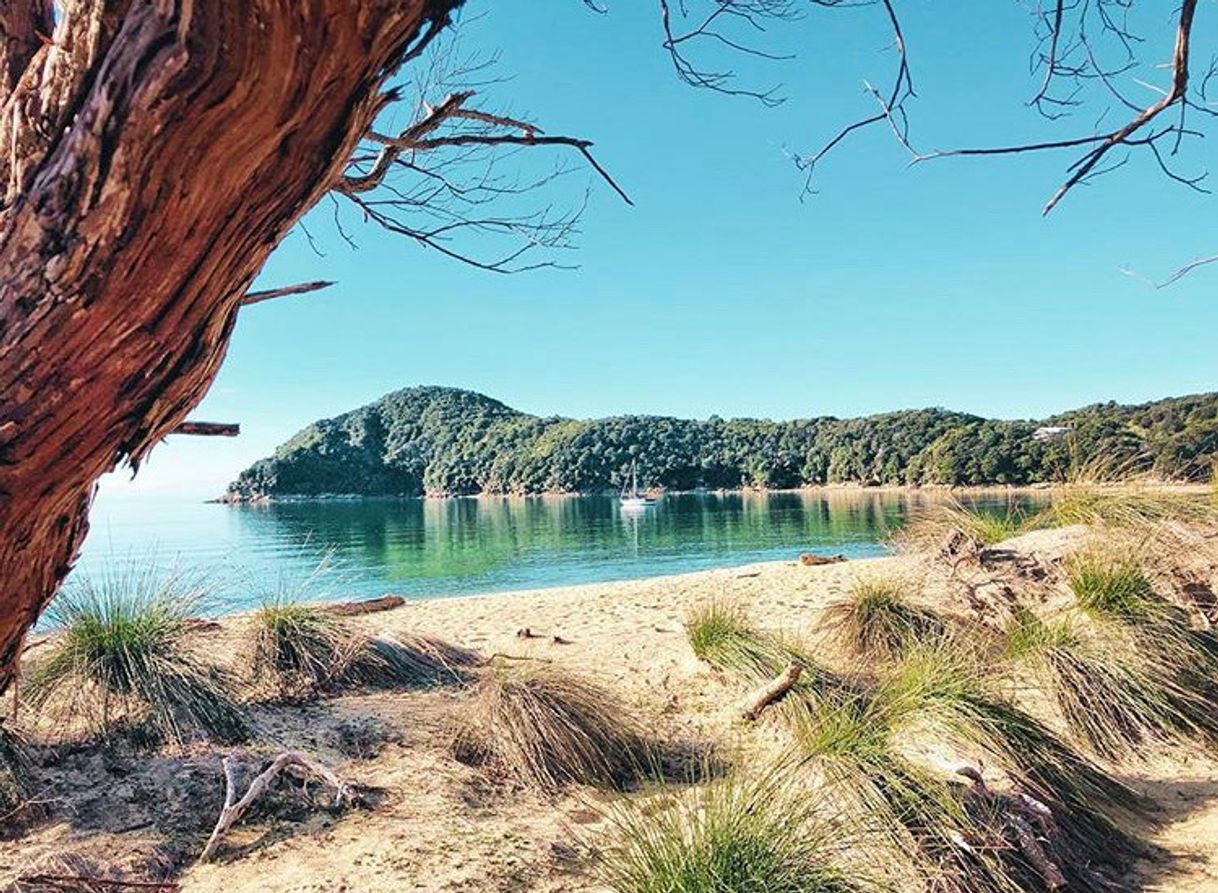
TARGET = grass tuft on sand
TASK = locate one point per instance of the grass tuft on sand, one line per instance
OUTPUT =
(943, 690)
(736, 835)
(878, 621)
(1129, 505)
(1111, 584)
(546, 727)
(929, 527)
(1114, 699)
(721, 634)
(303, 646)
(123, 655)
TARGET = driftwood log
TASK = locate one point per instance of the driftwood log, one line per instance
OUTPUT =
(235, 808)
(808, 559)
(366, 606)
(774, 690)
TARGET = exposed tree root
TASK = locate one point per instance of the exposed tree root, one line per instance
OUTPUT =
(235, 808)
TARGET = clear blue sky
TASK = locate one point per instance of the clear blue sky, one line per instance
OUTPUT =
(721, 292)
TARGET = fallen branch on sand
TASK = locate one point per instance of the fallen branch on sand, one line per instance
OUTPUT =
(1027, 820)
(234, 808)
(772, 691)
(808, 559)
(366, 606)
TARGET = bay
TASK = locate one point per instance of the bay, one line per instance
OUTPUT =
(426, 548)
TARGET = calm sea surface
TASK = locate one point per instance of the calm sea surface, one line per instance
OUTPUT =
(438, 548)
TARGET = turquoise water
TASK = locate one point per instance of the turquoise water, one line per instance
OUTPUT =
(438, 548)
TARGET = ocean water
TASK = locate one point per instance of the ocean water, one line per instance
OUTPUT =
(439, 548)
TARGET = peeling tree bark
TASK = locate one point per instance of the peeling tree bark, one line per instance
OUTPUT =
(151, 157)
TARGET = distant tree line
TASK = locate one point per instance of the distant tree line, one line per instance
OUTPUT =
(437, 440)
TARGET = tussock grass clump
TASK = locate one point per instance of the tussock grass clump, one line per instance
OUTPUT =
(921, 815)
(123, 654)
(988, 525)
(721, 633)
(304, 646)
(1108, 583)
(941, 690)
(878, 621)
(1111, 699)
(1129, 505)
(1112, 585)
(546, 727)
(295, 642)
(737, 835)
(934, 694)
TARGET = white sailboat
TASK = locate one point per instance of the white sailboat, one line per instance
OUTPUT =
(634, 499)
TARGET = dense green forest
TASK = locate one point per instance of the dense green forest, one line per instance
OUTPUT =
(438, 440)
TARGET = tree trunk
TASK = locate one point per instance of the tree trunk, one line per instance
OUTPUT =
(152, 154)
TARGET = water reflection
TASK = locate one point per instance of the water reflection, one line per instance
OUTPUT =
(444, 547)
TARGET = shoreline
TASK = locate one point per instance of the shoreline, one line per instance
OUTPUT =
(824, 489)
(447, 820)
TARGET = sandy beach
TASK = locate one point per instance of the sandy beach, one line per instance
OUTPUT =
(437, 824)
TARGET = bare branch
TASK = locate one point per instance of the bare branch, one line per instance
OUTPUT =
(892, 108)
(747, 14)
(208, 429)
(1179, 90)
(235, 808)
(1186, 269)
(1055, 29)
(257, 297)
(415, 138)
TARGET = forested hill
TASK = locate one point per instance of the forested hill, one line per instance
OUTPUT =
(446, 441)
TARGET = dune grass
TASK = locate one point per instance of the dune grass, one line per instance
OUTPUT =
(1114, 699)
(737, 835)
(920, 814)
(929, 527)
(546, 727)
(878, 621)
(1108, 583)
(945, 688)
(917, 816)
(304, 647)
(1131, 504)
(123, 655)
(721, 633)
(298, 643)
